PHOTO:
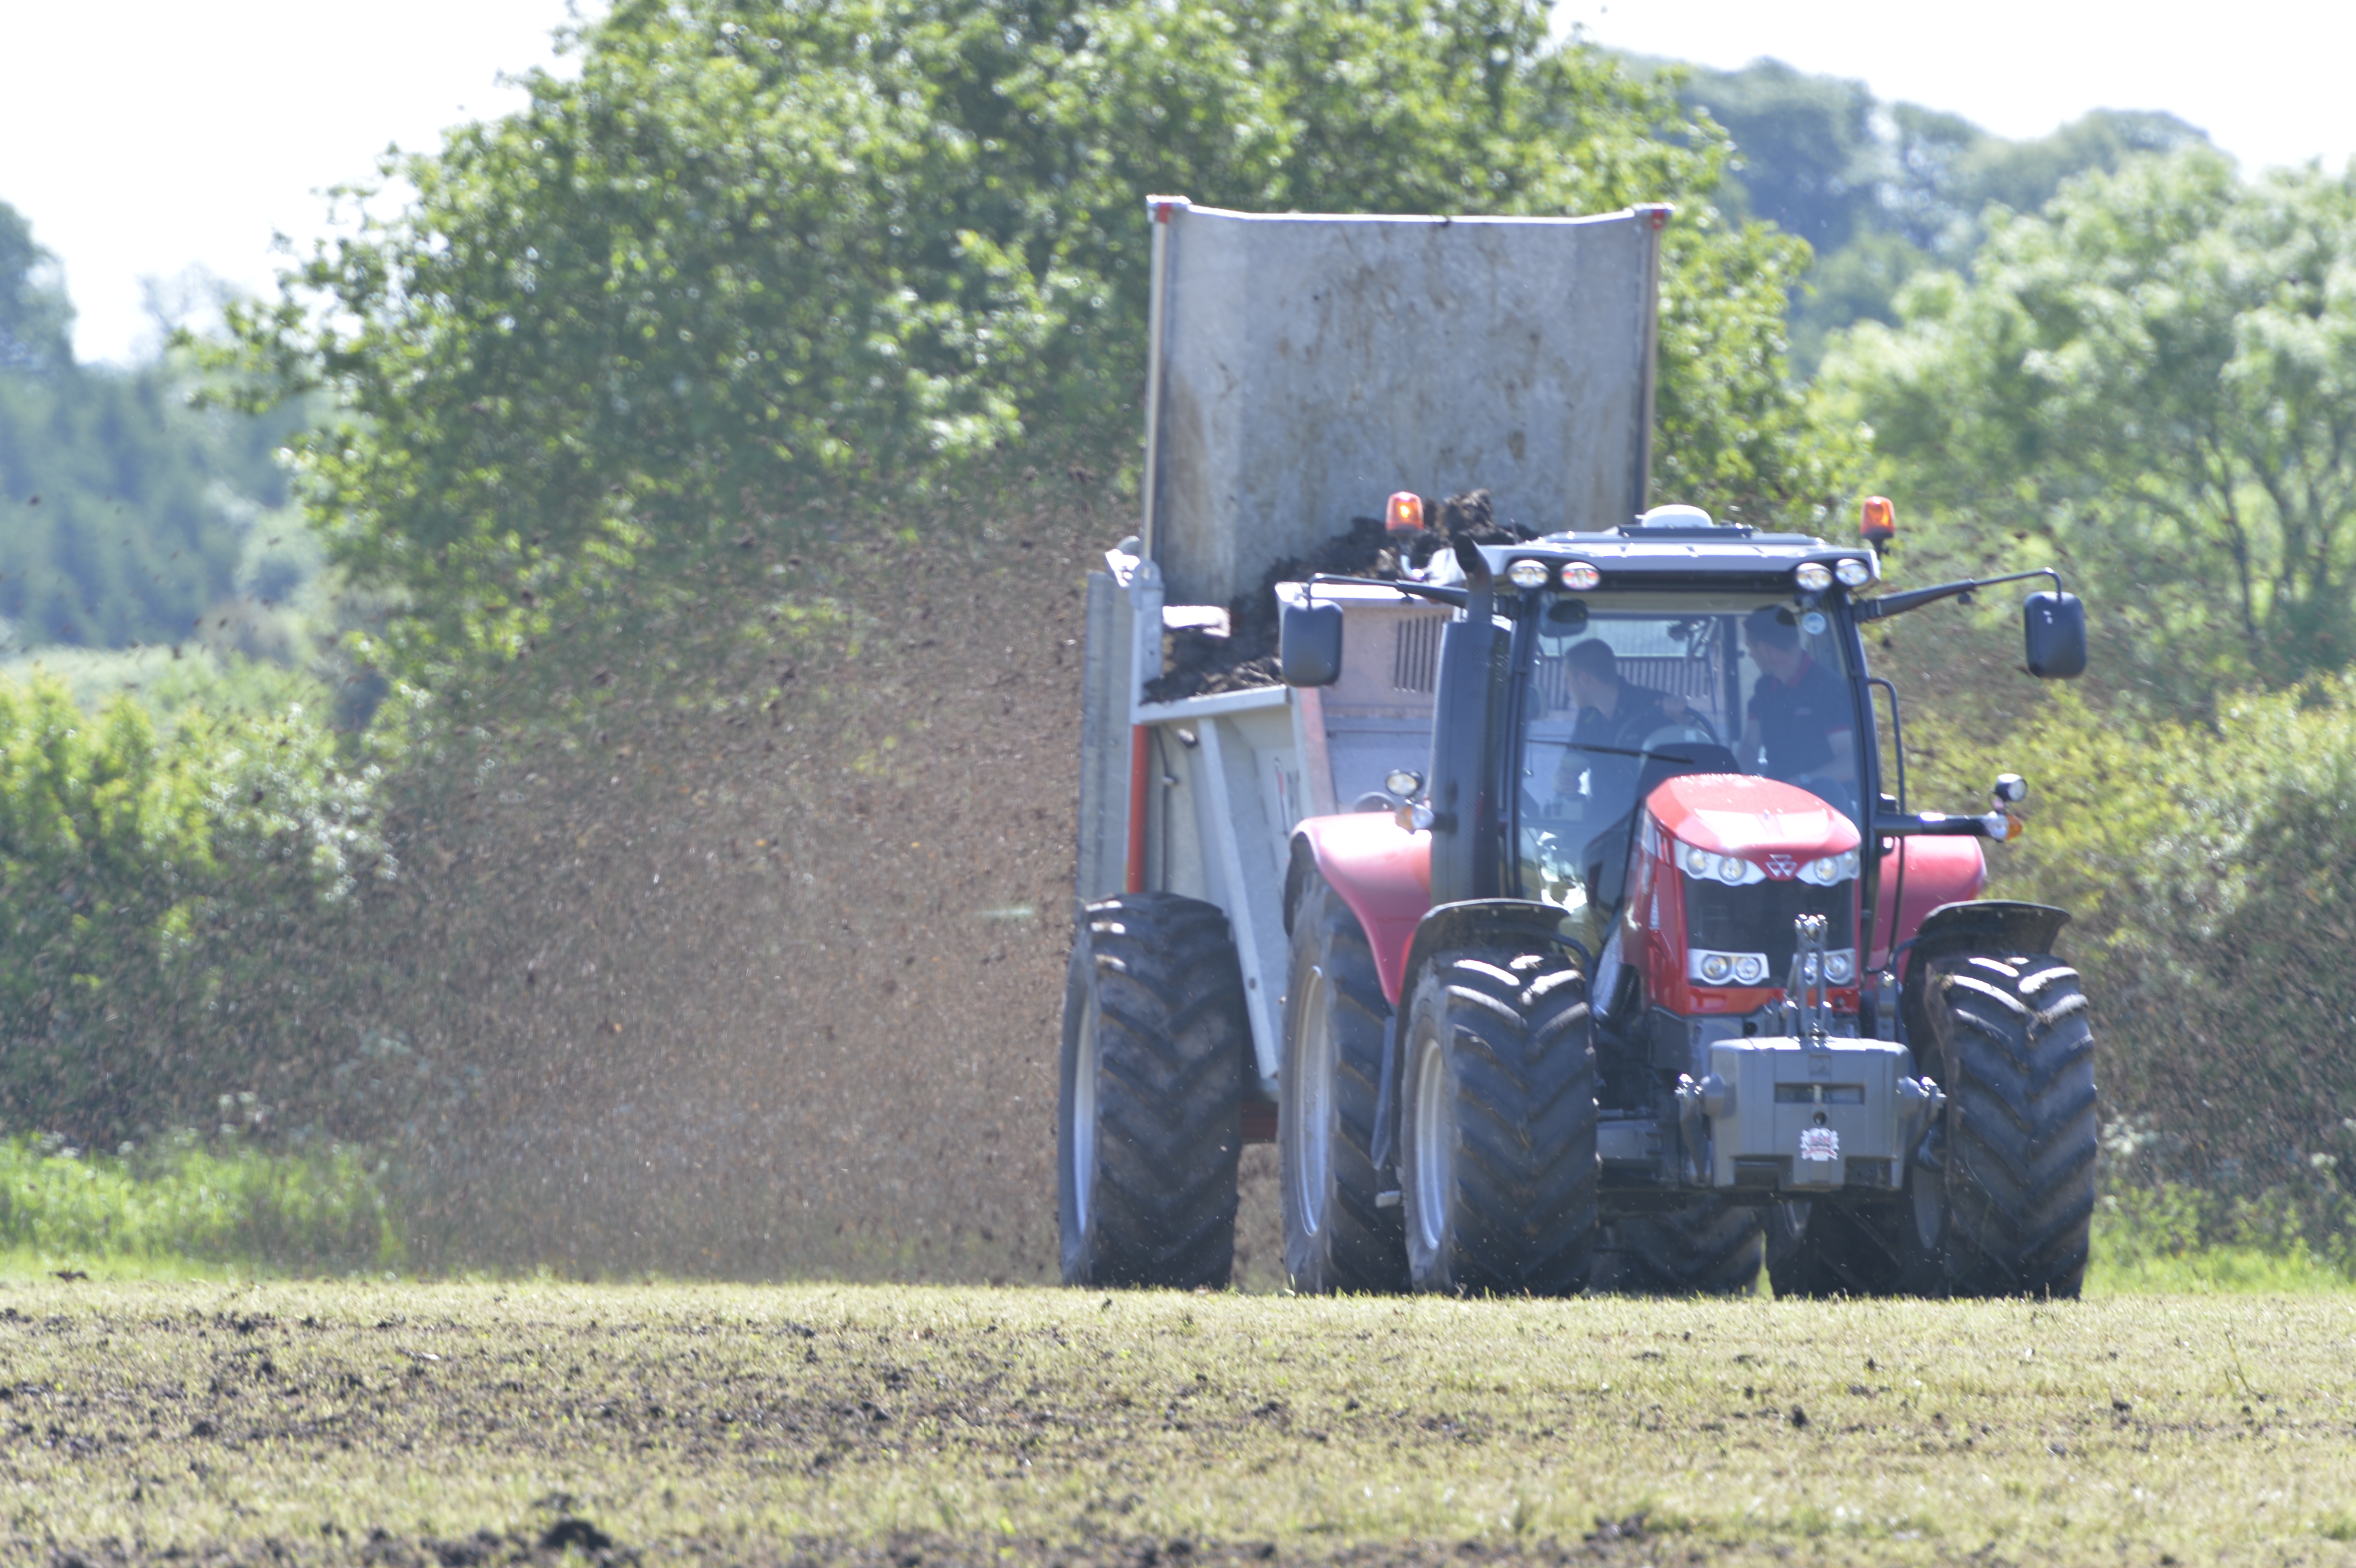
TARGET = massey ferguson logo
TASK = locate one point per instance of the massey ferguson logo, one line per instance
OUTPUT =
(1782, 866)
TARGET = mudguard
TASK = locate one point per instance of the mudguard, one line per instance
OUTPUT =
(1940, 872)
(1383, 873)
(1521, 922)
(1988, 925)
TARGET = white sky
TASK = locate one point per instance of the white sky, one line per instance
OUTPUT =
(2267, 78)
(179, 134)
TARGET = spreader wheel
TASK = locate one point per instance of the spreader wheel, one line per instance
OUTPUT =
(1151, 1113)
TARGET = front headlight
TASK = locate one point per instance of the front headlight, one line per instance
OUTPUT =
(1529, 576)
(1852, 572)
(1813, 576)
(1840, 967)
(1704, 967)
(1830, 871)
(1731, 869)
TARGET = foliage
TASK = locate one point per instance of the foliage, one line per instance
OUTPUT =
(124, 513)
(156, 887)
(662, 320)
(1884, 190)
(2157, 378)
(184, 1202)
(2211, 872)
(34, 316)
(2174, 1239)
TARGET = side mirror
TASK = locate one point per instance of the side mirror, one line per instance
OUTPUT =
(2053, 625)
(1308, 643)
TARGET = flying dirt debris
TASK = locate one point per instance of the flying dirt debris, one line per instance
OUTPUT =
(1539, 894)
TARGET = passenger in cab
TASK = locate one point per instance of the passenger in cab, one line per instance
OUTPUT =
(1800, 715)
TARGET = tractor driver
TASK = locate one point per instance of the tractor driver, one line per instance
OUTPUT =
(1614, 719)
(1800, 713)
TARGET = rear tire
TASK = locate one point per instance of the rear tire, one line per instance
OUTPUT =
(1820, 1248)
(1498, 1168)
(1707, 1248)
(1335, 1237)
(2016, 1055)
(1151, 1111)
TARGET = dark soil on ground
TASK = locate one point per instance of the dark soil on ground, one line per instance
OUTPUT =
(1197, 662)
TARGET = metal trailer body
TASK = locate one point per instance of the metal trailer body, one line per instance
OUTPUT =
(1303, 367)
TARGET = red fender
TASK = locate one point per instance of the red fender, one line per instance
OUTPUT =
(1938, 870)
(1383, 873)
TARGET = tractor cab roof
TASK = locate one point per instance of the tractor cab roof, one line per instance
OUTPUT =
(1660, 556)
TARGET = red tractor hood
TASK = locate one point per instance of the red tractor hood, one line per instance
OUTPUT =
(1733, 814)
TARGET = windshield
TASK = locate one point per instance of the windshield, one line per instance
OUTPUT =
(1625, 690)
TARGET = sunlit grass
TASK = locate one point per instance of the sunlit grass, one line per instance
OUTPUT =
(184, 1208)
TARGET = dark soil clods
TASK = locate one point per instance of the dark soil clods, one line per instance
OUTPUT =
(1197, 663)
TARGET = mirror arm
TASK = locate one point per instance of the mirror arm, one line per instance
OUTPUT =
(1437, 594)
(1915, 598)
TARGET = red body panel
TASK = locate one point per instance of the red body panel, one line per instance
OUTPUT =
(1778, 826)
(1735, 813)
(1938, 872)
(1384, 873)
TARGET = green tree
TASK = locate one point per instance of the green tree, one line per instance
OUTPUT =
(751, 261)
(34, 316)
(124, 511)
(2157, 379)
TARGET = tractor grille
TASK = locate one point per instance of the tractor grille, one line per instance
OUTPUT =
(1756, 918)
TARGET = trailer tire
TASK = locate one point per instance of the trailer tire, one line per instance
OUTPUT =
(1149, 1116)
(1498, 1169)
(2016, 1053)
(1337, 1235)
(1708, 1248)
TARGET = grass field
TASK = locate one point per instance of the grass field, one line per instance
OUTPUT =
(481, 1424)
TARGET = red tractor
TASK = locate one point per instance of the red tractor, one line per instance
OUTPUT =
(1654, 1001)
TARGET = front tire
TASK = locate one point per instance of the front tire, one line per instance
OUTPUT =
(1149, 1116)
(1336, 1235)
(2016, 1055)
(1498, 1164)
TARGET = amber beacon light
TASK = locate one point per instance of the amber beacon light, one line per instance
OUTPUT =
(1404, 514)
(1877, 520)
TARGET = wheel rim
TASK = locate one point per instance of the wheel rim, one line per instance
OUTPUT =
(1311, 1156)
(1084, 1123)
(1432, 1129)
